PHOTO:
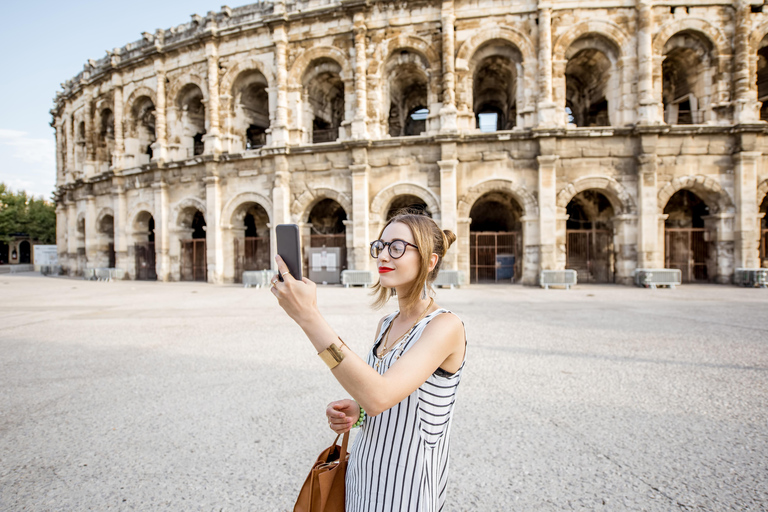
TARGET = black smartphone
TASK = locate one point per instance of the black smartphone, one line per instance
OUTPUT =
(289, 248)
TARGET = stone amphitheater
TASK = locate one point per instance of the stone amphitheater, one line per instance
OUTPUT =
(596, 135)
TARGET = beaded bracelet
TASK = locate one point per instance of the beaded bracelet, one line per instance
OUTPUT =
(361, 419)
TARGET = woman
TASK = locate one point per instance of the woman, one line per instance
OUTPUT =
(404, 392)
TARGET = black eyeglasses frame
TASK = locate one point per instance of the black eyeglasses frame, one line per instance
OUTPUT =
(388, 245)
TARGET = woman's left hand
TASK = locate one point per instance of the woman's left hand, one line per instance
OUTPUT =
(297, 298)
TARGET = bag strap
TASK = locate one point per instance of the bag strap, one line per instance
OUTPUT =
(344, 443)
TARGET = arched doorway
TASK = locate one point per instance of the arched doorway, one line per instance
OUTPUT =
(495, 239)
(409, 203)
(107, 241)
(589, 237)
(194, 265)
(252, 247)
(327, 254)
(764, 233)
(686, 245)
(144, 247)
(25, 252)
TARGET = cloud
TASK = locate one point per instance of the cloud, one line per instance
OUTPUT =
(27, 163)
(28, 149)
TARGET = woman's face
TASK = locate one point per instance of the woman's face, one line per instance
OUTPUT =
(403, 270)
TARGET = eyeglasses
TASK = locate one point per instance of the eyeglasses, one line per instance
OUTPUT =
(396, 248)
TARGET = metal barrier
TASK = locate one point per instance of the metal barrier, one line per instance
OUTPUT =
(15, 269)
(752, 277)
(362, 278)
(653, 277)
(51, 270)
(449, 278)
(103, 274)
(257, 278)
(565, 278)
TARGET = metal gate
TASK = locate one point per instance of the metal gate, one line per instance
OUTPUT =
(193, 260)
(489, 256)
(764, 247)
(588, 252)
(112, 263)
(255, 255)
(685, 249)
(145, 261)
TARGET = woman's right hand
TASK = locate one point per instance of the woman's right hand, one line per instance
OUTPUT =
(342, 414)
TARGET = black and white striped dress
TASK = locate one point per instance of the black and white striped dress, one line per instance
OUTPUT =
(399, 459)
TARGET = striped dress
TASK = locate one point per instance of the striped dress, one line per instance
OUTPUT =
(399, 459)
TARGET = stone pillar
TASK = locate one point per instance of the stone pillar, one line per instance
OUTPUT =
(91, 233)
(746, 232)
(213, 233)
(548, 216)
(69, 127)
(162, 231)
(449, 202)
(60, 154)
(360, 122)
(62, 235)
(212, 139)
(360, 257)
(120, 208)
(280, 128)
(118, 155)
(720, 266)
(88, 166)
(281, 202)
(530, 250)
(160, 146)
(448, 112)
(746, 109)
(647, 108)
(72, 268)
(546, 106)
(650, 230)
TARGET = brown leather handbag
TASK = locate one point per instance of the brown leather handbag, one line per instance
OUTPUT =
(323, 490)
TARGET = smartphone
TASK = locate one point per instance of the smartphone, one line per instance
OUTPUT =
(289, 248)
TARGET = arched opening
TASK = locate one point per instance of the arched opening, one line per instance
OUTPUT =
(82, 260)
(762, 78)
(144, 247)
(25, 252)
(409, 107)
(687, 78)
(4, 260)
(252, 244)
(764, 233)
(587, 76)
(496, 241)
(326, 256)
(194, 266)
(494, 86)
(106, 137)
(192, 129)
(80, 145)
(409, 203)
(589, 237)
(141, 133)
(324, 100)
(251, 109)
(686, 241)
(106, 247)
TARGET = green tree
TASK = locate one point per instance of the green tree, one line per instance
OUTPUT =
(21, 213)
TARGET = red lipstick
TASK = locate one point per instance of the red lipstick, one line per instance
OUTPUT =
(384, 270)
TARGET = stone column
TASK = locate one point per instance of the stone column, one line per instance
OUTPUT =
(72, 268)
(546, 106)
(548, 217)
(69, 127)
(530, 250)
(88, 166)
(280, 129)
(647, 108)
(360, 217)
(213, 234)
(162, 231)
(649, 229)
(746, 109)
(281, 202)
(120, 209)
(91, 233)
(60, 154)
(118, 156)
(360, 122)
(449, 201)
(160, 146)
(746, 232)
(448, 112)
(62, 235)
(212, 139)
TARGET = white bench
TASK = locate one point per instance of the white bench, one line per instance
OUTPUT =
(362, 278)
(449, 278)
(753, 277)
(653, 277)
(566, 278)
(257, 278)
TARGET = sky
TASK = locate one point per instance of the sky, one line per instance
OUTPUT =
(47, 42)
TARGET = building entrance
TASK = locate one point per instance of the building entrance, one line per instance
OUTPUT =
(194, 265)
(589, 237)
(495, 239)
(685, 237)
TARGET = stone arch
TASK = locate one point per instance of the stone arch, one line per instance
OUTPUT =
(189, 202)
(715, 197)
(103, 213)
(302, 206)
(233, 205)
(180, 83)
(232, 74)
(303, 61)
(756, 36)
(138, 93)
(620, 199)
(418, 45)
(762, 191)
(603, 29)
(136, 211)
(384, 198)
(80, 219)
(517, 39)
(524, 197)
(715, 35)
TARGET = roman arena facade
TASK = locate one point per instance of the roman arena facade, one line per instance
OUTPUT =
(598, 135)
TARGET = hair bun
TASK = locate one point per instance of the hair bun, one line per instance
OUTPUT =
(450, 237)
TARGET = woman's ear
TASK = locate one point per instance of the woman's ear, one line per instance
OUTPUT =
(433, 261)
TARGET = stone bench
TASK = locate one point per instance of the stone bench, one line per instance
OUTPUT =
(653, 277)
(362, 278)
(566, 278)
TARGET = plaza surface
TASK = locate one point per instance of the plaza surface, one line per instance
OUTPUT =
(185, 396)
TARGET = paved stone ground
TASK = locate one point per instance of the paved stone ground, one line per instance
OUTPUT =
(182, 396)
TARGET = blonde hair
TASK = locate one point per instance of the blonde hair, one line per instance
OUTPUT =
(429, 239)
